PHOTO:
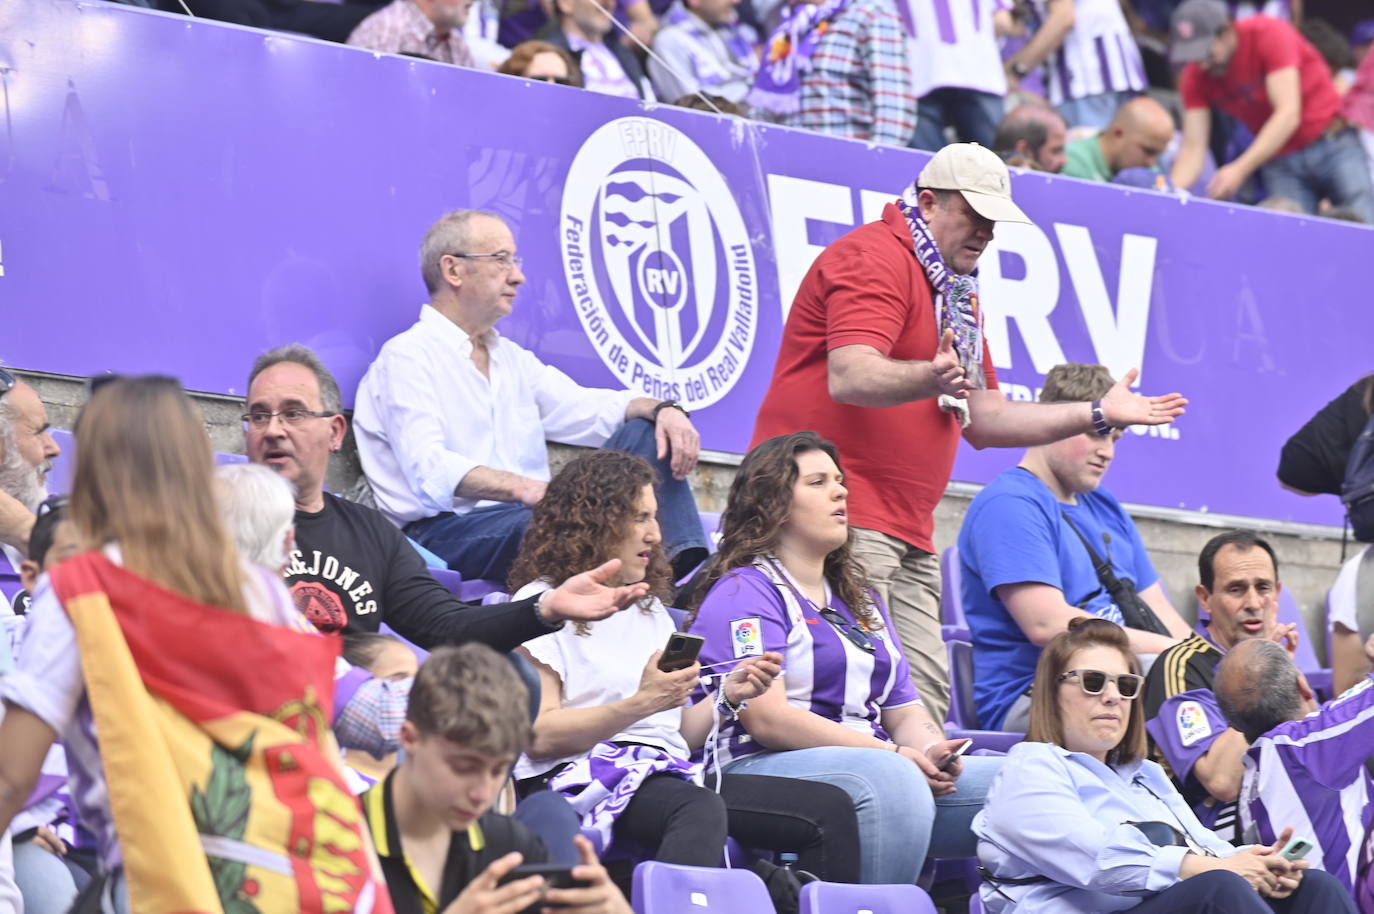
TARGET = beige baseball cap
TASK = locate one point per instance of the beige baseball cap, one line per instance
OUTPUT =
(978, 174)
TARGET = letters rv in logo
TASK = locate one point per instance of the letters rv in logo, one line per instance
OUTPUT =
(658, 262)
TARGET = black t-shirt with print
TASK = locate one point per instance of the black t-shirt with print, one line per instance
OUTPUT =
(352, 570)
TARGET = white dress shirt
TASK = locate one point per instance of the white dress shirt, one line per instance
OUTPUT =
(425, 417)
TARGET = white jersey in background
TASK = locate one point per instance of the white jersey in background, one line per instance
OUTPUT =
(1098, 55)
(952, 44)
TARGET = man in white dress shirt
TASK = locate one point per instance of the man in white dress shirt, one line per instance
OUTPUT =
(451, 418)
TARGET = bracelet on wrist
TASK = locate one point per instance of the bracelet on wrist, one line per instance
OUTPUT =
(726, 707)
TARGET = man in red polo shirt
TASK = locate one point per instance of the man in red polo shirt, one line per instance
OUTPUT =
(883, 353)
(1263, 73)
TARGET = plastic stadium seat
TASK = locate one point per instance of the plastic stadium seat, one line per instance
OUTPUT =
(667, 888)
(953, 622)
(839, 898)
(975, 904)
(1306, 659)
(963, 715)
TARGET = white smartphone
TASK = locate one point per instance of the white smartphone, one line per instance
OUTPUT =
(1296, 849)
(953, 756)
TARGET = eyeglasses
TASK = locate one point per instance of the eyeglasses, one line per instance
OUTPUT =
(295, 415)
(7, 382)
(857, 636)
(1094, 681)
(504, 259)
(51, 505)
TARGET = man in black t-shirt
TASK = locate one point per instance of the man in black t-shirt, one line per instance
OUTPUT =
(351, 569)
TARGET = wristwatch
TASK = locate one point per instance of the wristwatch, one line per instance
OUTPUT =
(1100, 424)
(669, 404)
(1018, 69)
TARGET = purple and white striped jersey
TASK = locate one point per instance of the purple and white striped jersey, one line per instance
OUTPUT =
(1310, 774)
(752, 609)
(1098, 54)
(952, 44)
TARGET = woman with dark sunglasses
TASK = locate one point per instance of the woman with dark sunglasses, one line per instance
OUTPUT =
(845, 711)
(1080, 821)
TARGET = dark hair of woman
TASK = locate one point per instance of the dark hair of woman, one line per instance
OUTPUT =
(759, 502)
(584, 515)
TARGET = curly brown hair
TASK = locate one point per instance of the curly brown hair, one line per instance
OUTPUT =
(583, 516)
(760, 499)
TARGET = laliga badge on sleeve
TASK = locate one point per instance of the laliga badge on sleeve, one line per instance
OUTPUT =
(1192, 723)
(747, 637)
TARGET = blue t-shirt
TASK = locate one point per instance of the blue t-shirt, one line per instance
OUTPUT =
(1014, 533)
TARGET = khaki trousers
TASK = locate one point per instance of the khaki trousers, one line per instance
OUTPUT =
(908, 580)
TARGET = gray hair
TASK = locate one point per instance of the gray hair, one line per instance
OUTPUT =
(451, 234)
(259, 510)
(305, 357)
(17, 478)
(1257, 688)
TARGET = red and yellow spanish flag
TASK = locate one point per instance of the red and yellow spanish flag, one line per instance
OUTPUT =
(223, 773)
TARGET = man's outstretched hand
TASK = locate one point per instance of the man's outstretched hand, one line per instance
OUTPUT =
(1123, 408)
(590, 596)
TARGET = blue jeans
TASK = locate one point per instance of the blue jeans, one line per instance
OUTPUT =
(43, 879)
(899, 820)
(482, 543)
(550, 816)
(1220, 892)
(974, 116)
(1333, 168)
(1094, 111)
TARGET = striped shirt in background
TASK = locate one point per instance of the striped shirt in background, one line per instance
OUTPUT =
(859, 84)
(401, 28)
(953, 44)
(1098, 54)
(1310, 774)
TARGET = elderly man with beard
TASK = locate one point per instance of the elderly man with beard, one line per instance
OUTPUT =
(26, 455)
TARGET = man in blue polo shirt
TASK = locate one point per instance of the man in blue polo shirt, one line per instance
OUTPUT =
(1026, 569)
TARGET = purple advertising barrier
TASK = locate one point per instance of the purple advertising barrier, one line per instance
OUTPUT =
(180, 195)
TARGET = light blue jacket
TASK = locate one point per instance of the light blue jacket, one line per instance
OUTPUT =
(1052, 812)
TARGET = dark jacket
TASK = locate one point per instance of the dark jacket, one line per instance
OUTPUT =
(553, 33)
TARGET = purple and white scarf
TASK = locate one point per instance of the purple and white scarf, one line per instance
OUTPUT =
(787, 55)
(956, 304)
(603, 782)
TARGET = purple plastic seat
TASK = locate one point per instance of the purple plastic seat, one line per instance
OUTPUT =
(954, 625)
(975, 904)
(668, 888)
(840, 898)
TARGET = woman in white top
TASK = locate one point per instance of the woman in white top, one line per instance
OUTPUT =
(616, 734)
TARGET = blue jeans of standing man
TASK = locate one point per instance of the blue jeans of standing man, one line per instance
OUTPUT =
(974, 116)
(899, 820)
(482, 543)
(1333, 168)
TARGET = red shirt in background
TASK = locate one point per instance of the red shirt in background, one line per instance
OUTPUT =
(1264, 45)
(868, 288)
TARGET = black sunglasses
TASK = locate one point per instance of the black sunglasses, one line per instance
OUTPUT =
(7, 382)
(1094, 681)
(857, 636)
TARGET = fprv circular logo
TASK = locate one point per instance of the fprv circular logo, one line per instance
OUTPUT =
(658, 262)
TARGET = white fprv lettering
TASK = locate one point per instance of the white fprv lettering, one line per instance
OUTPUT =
(1118, 339)
(1029, 301)
(792, 201)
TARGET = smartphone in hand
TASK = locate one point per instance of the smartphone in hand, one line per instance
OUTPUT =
(953, 756)
(680, 652)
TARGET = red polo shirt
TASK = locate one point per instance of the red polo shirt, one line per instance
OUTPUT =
(868, 288)
(1264, 45)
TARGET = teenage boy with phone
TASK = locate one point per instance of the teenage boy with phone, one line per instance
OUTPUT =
(442, 849)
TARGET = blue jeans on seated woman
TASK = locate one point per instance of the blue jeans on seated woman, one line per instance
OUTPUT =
(482, 543)
(900, 821)
(1221, 892)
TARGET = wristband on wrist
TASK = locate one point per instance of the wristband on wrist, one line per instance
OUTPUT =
(725, 707)
(669, 404)
(1100, 420)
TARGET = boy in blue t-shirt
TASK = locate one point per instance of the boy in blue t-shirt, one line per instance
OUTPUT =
(1025, 570)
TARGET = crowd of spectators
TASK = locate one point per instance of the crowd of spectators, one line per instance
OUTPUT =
(1255, 102)
(190, 652)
